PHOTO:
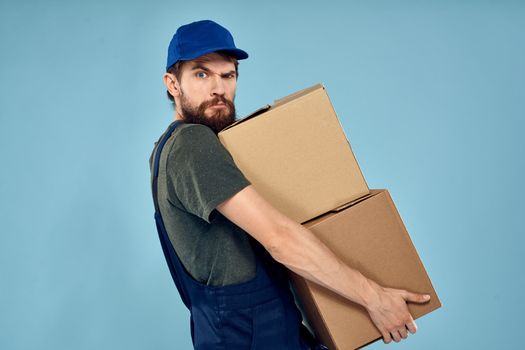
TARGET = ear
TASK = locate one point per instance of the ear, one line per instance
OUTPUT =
(172, 85)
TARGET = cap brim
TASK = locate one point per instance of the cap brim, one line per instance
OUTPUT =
(237, 53)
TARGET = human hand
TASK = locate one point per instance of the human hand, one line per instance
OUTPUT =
(388, 310)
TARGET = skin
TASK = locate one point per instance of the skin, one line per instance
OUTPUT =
(287, 241)
(205, 79)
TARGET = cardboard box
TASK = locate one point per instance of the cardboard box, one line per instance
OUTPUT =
(296, 155)
(370, 237)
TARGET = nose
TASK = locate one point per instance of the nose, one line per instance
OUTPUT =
(217, 85)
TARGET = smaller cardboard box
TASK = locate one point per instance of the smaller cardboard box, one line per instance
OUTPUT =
(369, 236)
(296, 155)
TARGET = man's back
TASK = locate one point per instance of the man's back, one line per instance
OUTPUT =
(196, 174)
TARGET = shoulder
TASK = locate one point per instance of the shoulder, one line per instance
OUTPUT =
(195, 140)
(192, 132)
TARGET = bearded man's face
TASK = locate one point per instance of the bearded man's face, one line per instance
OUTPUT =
(216, 113)
(207, 91)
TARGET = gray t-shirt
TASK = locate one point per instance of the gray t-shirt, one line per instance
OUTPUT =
(196, 173)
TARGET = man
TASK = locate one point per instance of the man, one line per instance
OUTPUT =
(225, 245)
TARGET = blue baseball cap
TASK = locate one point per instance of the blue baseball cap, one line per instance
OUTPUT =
(199, 38)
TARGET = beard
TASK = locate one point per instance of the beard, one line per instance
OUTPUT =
(217, 121)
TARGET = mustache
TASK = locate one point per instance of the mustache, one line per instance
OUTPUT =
(216, 100)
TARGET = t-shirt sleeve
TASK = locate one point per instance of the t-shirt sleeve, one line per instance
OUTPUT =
(202, 172)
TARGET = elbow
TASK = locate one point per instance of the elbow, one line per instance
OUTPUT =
(280, 243)
(273, 248)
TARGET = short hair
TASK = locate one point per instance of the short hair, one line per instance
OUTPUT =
(176, 68)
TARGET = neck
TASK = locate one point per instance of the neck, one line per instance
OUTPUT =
(178, 116)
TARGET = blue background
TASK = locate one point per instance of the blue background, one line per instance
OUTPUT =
(430, 94)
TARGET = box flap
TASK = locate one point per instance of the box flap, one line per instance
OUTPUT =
(277, 103)
(251, 115)
(313, 221)
(357, 200)
(297, 94)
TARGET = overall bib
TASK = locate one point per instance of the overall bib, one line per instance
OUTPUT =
(257, 314)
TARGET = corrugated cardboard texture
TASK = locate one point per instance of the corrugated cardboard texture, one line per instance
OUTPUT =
(370, 237)
(297, 156)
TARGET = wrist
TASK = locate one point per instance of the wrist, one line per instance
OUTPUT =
(370, 293)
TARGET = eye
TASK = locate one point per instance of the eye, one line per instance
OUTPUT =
(201, 74)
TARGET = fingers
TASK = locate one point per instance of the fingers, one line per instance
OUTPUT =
(400, 332)
(416, 297)
(411, 325)
(396, 336)
(403, 332)
(387, 338)
(399, 323)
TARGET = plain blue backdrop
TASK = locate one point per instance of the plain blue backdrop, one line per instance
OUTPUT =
(430, 94)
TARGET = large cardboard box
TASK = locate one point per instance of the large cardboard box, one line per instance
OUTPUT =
(296, 155)
(370, 237)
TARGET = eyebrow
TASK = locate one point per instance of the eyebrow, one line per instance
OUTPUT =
(201, 67)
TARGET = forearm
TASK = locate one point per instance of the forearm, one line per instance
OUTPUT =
(298, 249)
(302, 252)
(295, 246)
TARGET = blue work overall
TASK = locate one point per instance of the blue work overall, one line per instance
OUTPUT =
(257, 314)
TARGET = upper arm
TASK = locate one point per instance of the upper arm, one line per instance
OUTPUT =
(201, 172)
(251, 212)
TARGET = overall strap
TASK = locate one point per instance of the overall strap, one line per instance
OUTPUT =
(167, 248)
(156, 161)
